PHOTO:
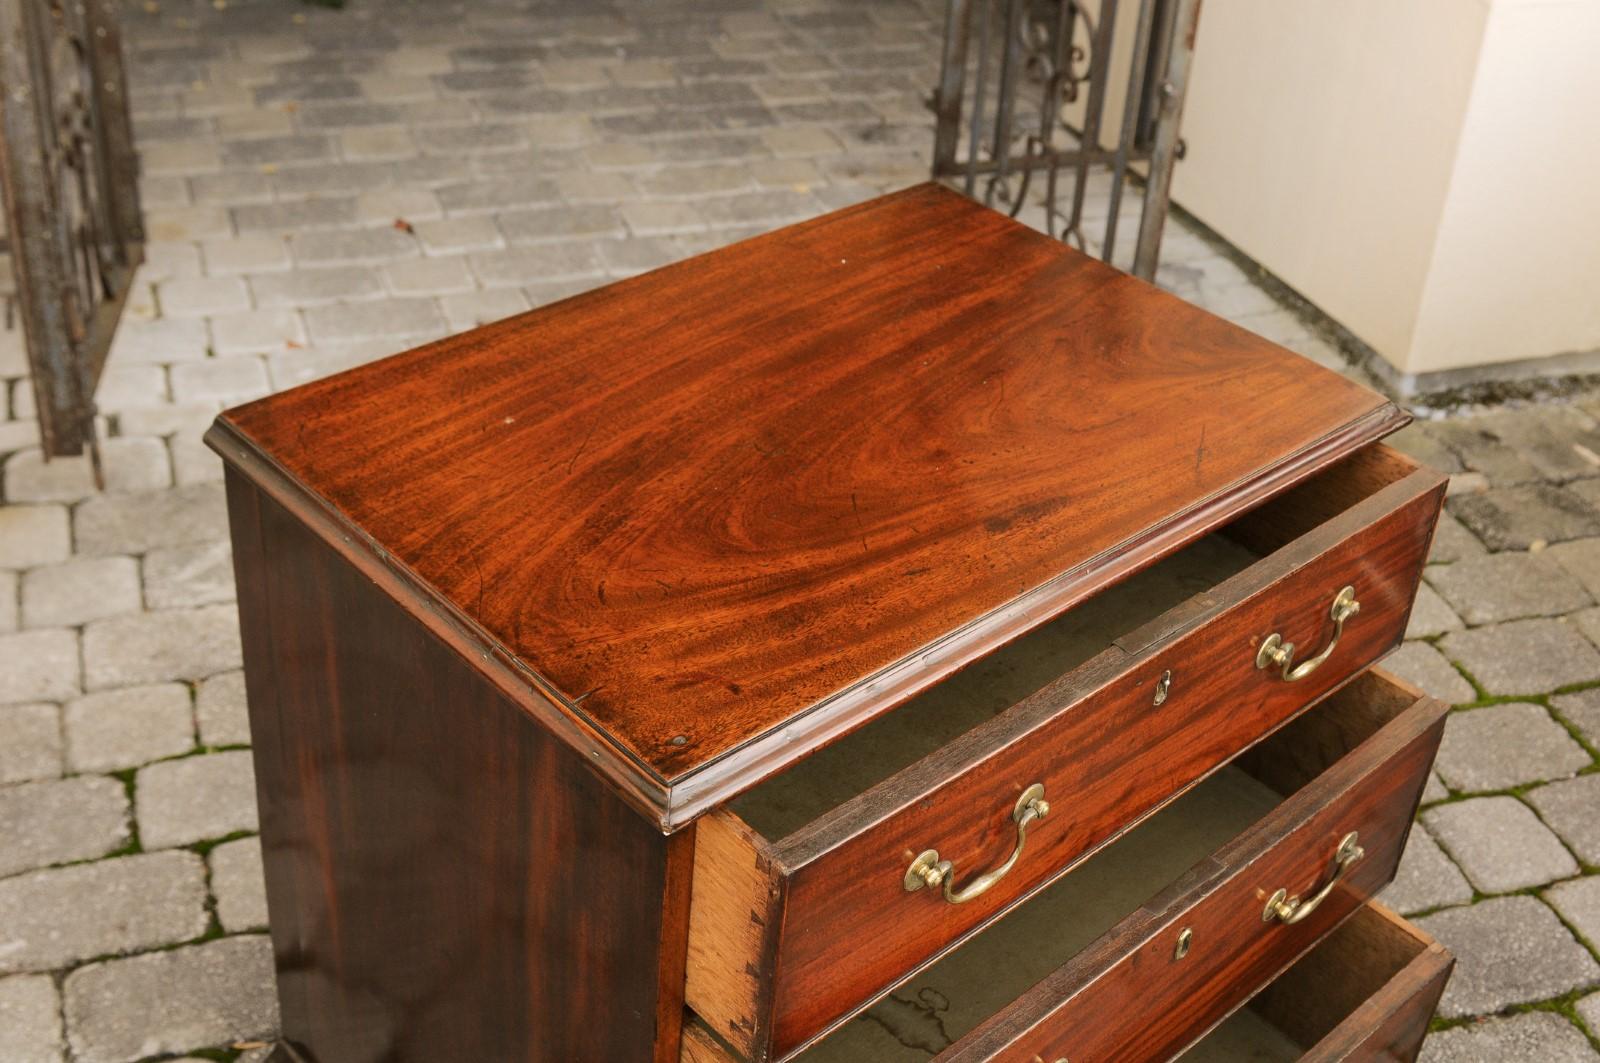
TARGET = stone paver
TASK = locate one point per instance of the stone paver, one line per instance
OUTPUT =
(1431, 615)
(1420, 663)
(34, 535)
(130, 465)
(1514, 518)
(1502, 746)
(1425, 879)
(1572, 808)
(30, 742)
(40, 666)
(1499, 843)
(1578, 902)
(236, 880)
(173, 1001)
(154, 647)
(60, 916)
(1582, 710)
(179, 576)
(1581, 559)
(1524, 656)
(1510, 586)
(325, 188)
(133, 524)
(60, 820)
(221, 712)
(1589, 1010)
(1509, 950)
(1538, 1037)
(1478, 447)
(1453, 542)
(30, 1020)
(76, 592)
(129, 726)
(195, 798)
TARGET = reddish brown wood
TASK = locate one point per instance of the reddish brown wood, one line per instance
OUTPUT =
(718, 514)
(446, 879)
(1391, 1026)
(1106, 756)
(1128, 998)
(1365, 994)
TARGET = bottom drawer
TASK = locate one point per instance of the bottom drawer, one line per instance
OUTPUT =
(1367, 992)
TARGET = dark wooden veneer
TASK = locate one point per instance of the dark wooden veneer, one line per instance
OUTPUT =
(446, 880)
(713, 517)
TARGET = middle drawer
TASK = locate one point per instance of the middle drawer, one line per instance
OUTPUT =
(788, 936)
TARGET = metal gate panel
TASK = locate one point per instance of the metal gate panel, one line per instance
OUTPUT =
(70, 182)
(1023, 95)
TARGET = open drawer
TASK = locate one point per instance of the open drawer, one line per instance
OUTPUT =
(1249, 869)
(802, 907)
(1365, 993)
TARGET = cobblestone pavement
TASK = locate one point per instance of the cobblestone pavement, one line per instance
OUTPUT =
(328, 187)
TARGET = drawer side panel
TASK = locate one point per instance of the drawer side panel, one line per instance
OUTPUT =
(446, 879)
(733, 928)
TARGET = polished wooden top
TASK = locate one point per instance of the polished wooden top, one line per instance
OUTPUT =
(722, 512)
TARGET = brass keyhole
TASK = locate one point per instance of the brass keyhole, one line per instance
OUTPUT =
(1163, 686)
(1185, 939)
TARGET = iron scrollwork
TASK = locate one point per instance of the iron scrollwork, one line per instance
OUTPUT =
(1037, 105)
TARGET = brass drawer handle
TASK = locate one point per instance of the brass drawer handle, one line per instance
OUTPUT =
(928, 870)
(1290, 910)
(1275, 651)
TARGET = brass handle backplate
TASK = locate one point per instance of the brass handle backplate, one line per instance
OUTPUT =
(1290, 910)
(928, 870)
(1277, 653)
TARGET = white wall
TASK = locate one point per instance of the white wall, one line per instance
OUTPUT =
(1425, 171)
(1516, 268)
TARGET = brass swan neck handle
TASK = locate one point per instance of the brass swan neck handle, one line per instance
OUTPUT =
(1277, 653)
(928, 870)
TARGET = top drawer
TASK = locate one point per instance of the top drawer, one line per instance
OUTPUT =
(801, 911)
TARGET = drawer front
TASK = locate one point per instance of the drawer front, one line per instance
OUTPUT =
(1104, 751)
(1195, 953)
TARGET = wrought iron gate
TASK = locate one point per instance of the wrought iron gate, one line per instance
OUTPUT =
(70, 183)
(1065, 50)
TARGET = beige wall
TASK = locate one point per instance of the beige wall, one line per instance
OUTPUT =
(1423, 170)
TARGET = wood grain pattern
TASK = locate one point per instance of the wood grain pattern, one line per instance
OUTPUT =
(700, 1047)
(737, 901)
(446, 880)
(1127, 998)
(849, 930)
(1365, 994)
(722, 512)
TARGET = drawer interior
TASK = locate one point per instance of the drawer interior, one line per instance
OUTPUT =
(933, 1009)
(787, 802)
(1304, 1005)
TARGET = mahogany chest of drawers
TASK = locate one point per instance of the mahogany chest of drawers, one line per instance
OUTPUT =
(898, 637)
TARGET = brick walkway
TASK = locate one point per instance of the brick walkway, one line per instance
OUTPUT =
(530, 155)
